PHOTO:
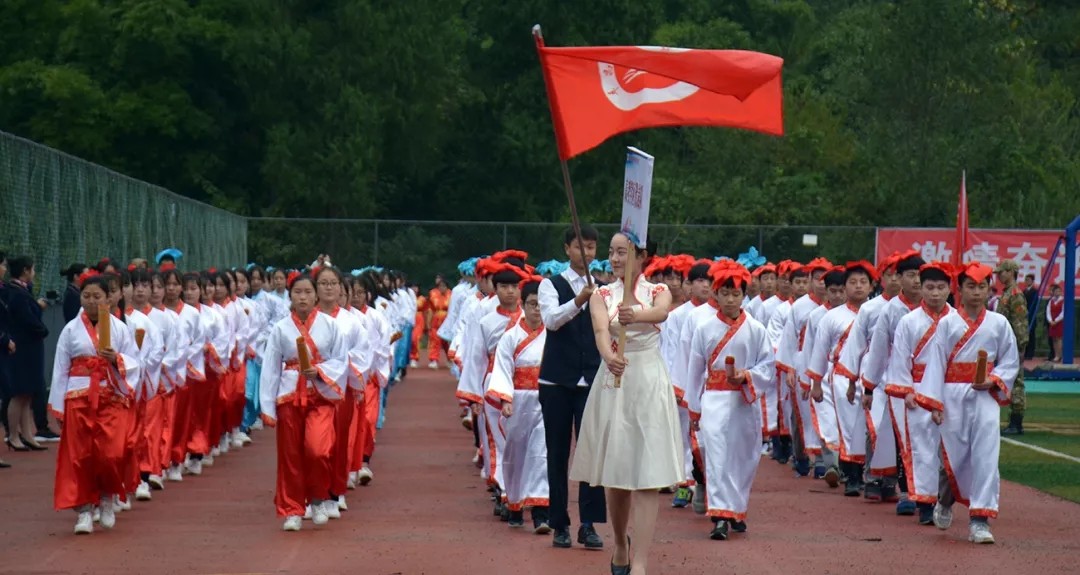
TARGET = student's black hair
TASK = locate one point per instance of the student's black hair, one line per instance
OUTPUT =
(303, 278)
(117, 277)
(257, 268)
(171, 273)
(141, 275)
(963, 276)
(191, 277)
(588, 233)
(857, 270)
(99, 281)
(337, 273)
(729, 283)
(18, 265)
(835, 278)
(934, 275)
(699, 272)
(225, 278)
(909, 263)
(530, 288)
(70, 274)
(800, 273)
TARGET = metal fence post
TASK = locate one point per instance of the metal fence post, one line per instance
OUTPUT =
(375, 261)
(760, 241)
(504, 238)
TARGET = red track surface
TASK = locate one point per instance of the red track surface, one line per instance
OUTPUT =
(427, 513)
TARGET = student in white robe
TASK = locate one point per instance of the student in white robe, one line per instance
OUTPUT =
(514, 388)
(833, 334)
(188, 359)
(298, 397)
(850, 364)
(790, 364)
(825, 435)
(970, 406)
(730, 360)
(699, 292)
(794, 284)
(90, 397)
(886, 413)
(151, 354)
(382, 369)
(158, 422)
(907, 364)
(478, 362)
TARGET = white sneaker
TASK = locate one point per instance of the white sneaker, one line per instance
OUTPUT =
(365, 475)
(942, 516)
(119, 505)
(174, 473)
(96, 514)
(84, 524)
(980, 533)
(257, 425)
(342, 506)
(142, 492)
(242, 437)
(156, 482)
(331, 509)
(433, 365)
(476, 457)
(307, 512)
(351, 483)
(699, 499)
(292, 523)
(108, 516)
(237, 443)
(224, 444)
(766, 448)
(413, 364)
(318, 514)
(195, 466)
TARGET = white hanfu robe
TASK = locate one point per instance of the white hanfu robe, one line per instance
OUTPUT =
(728, 414)
(907, 364)
(886, 413)
(150, 354)
(677, 358)
(850, 361)
(778, 411)
(515, 379)
(970, 433)
(476, 368)
(280, 380)
(821, 420)
(848, 433)
(791, 354)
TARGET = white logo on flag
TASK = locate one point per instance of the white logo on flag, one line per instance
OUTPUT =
(627, 101)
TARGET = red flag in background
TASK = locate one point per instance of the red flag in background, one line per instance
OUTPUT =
(961, 223)
(597, 92)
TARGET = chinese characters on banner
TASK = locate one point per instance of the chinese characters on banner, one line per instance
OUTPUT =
(1031, 249)
(637, 191)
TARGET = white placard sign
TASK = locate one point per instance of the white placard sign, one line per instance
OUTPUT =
(637, 190)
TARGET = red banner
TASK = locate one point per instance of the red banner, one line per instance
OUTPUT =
(1031, 249)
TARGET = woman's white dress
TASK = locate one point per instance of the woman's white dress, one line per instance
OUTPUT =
(629, 435)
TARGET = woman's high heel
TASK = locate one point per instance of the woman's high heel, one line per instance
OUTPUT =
(32, 446)
(622, 569)
(12, 447)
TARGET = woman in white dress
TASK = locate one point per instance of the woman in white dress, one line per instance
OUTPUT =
(629, 440)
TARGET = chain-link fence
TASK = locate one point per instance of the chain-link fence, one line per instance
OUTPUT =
(423, 248)
(59, 209)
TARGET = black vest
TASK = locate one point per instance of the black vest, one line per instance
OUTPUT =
(570, 351)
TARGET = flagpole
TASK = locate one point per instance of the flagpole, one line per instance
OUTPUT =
(538, 35)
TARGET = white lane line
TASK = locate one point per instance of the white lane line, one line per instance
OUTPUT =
(1042, 450)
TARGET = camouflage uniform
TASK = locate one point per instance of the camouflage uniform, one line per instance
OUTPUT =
(1013, 305)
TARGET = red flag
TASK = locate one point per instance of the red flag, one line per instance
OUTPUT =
(597, 92)
(961, 222)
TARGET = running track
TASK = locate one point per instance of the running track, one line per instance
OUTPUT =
(428, 513)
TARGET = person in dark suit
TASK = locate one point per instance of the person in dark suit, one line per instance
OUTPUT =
(1031, 294)
(72, 304)
(567, 369)
(6, 347)
(26, 368)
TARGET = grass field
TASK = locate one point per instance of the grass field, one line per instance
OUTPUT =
(1052, 422)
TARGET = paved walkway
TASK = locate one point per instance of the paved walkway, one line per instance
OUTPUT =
(427, 513)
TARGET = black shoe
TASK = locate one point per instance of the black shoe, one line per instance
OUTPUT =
(12, 447)
(46, 436)
(888, 494)
(505, 514)
(1016, 425)
(872, 491)
(738, 526)
(719, 531)
(516, 518)
(587, 536)
(562, 538)
(540, 521)
(852, 489)
(926, 514)
(619, 569)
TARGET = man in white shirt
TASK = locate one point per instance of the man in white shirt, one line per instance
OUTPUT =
(569, 364)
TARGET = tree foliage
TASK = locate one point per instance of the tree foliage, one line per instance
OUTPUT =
(436, 109)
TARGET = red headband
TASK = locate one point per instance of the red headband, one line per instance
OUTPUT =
(725, 270)
(943, 267)
(89, 273)
(767, 268)
(528, 280)
(865, 266)
(977, 271)
(818, 264)
(292, 277)
(657, 264)
(166, 267)
(503, 255)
